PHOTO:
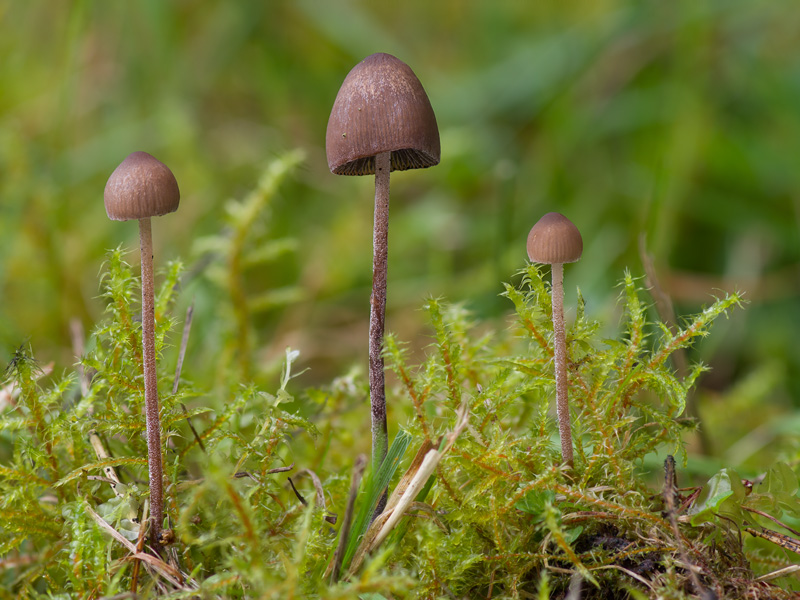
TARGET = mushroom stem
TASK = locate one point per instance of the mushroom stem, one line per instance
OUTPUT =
(560, 349)
(380, 255)
(152, 420)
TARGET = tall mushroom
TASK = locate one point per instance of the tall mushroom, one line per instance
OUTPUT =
(139, 188)
(555, 240)
(381, 121)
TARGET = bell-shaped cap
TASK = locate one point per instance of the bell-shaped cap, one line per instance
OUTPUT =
(554, 239)
(381, 107)
(141, 186)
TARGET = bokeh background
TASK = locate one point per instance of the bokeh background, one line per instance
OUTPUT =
(676, 123)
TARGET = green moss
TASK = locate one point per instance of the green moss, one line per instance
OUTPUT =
(498, 517)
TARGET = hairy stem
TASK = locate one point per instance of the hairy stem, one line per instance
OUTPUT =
(380, 254)
(560, 350)
(152, 419)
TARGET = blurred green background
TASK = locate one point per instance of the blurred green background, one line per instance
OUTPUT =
(679, 121)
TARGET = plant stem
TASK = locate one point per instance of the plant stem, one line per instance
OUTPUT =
(380, 255)
(152, 420)
(560, 350)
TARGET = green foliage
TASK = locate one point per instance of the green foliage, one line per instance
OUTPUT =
(499, 517)
(722, 496)
(58, 485)
(678, 120)
(510, 510)
(374, 485)
(238, 255)
(724, 499)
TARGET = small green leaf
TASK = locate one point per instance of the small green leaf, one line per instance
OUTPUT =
(722, 495)
(780, 478)
(572, 534)
(777, 494)
(535, 502)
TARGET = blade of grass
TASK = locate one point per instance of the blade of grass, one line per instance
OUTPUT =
(344, 531)
(374, 484)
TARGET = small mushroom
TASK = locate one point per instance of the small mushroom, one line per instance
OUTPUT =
(381, 121)
(139, 188)
(555, 240)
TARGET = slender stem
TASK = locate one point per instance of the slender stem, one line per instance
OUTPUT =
(380, 255)
(560, 349)
(152, 419)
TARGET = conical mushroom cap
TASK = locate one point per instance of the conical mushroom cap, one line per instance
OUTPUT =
(141, 186)
(554, 239)
(381, 107)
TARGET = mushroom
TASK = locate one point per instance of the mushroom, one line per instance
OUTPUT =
(381, 121)
(555, 240)
(139, 188)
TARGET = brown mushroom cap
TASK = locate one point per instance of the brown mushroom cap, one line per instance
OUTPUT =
(554, 239)
(381, 107)
(141, 186)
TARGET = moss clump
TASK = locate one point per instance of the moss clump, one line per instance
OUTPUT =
(497, 518)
